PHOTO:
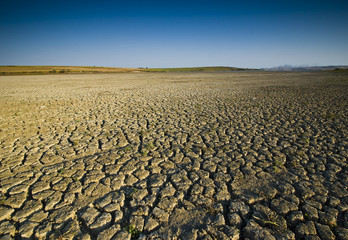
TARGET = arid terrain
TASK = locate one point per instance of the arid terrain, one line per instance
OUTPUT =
(44, 70)
(237, 155)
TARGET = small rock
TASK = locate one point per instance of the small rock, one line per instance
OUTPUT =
(168, 203)
(304, 229)
(156, 180)
(209, 192)
(329, 217)
(101, 222)
(310, 212)
(292, 198)
(197, 189)
(217, 220)
(38, 216)
(286, 188)
(26, 229)
(89, 215)
(19, 189)
(149, 200)
(341, 233)
(281, 206)
(100, 190)
(16, 201)
(52, 200)
(71, 229)
(75, 187)
(324, 232)
(85, 236)
(137, 222)
(222, 194)
(130, 180)
(141, 174)
(7, 228)
(269, 192)
(253, 231)
(108, 233)
(6, 237)
(5, 212)
(216, 233)
(312, 237)
(168, 191)
(338, 190)
(150, 224)
(118, 216)
(30, 207)
(123, 235)
(42, 195)
(160, 214)
(62, 214)
(62, 184)
(192, 234)
(251, 197)
(141, 211)
(295, 217)
(334, 202)
(40, 186)
(43, 230)
(117, 182)
(239, 207)
(232, 233)
(234, 219)
(315, 204)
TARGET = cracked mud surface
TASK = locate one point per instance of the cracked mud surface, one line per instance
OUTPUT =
(174, 156)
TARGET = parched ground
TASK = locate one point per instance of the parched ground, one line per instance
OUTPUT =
(174, 156)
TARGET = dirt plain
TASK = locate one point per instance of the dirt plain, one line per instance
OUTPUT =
(243, 155)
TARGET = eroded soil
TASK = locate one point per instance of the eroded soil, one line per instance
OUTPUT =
(174, 156)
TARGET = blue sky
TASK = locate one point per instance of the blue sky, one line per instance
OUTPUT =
(174, 33)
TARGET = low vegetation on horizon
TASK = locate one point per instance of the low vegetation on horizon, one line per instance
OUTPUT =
(44, 70)
(197, 69)
(41, 70)
(38, 70)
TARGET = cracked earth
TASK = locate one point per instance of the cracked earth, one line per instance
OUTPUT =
(174, 156)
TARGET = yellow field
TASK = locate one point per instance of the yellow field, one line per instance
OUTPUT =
(41, 70)
(34, 70)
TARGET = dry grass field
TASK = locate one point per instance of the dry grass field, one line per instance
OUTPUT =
(238, 155)
(42, 70)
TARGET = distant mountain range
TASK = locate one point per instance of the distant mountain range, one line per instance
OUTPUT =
(307, 68)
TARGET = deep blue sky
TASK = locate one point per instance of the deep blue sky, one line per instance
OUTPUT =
(174, 33)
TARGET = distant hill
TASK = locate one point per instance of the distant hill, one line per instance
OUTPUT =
(199, 69)
(311, 68)
(42, 70)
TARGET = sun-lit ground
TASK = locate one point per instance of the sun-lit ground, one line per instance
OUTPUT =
(188, 155)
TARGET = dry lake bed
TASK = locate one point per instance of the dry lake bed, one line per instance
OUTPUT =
(243, 155)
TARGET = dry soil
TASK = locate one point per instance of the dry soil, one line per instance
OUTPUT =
(174, 156)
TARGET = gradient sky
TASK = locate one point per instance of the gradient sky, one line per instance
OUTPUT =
(172, 33)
